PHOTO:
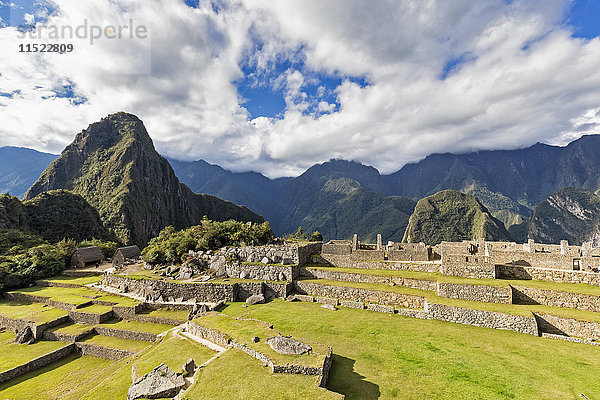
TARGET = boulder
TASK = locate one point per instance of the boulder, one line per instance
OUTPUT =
(189, 367)
(24, 336)
(265, 260)
(255, 339)
(287, 261)
(161, 382)
(243, 275)
(287, 345)
(255, 299)
(329, 307)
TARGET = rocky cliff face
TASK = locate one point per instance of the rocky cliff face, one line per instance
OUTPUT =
(452, 216)
(571, 213)
(114, 166)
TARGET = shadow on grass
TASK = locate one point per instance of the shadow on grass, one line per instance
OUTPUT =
(343, 380)
(47, 368)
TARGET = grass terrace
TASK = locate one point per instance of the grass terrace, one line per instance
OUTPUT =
(84, 280)
(35, 312)
(136, 326)
(73, 329)
(243, 331)
(236, 375)
(581, 288)
(95, 309)
(178, 315)
(14, 354)
(111, 384)
(383, 356)
(75, 296)
(117, 343)
(515, 309)
(54, 381)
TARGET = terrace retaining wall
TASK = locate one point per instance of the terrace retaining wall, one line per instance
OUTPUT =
(16, 324)
(547, 274)
(102, 352)
(37, 363)
(477, 270)
(486, 319)
(568, 326)
(489, 294)
(554, 298)
(126, 334)
(348, 262)
(367, 278)
(360, 294)
(89, 318)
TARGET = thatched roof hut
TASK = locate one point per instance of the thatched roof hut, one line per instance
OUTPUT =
(87, 256)
(126, 253)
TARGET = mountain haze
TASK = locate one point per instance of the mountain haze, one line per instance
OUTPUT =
(20, 168)
(114, 166)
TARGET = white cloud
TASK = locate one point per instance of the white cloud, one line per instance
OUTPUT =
(524, 79)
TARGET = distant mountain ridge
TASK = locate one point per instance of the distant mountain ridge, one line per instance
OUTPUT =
(509, 183)
(20, 167)
(114, 166)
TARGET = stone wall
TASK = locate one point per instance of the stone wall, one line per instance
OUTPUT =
(547, 274)
(490, 294)
(27, 297)
(88, 349)
(347, 262)
(568, 326)
(89, 318)
(360, 294)
(126, 334)
(366, 278)
(259, 271)
(241, 291)
(16, 324)
(479, 270)
(37, 363)
(554, 298)
(486, 319)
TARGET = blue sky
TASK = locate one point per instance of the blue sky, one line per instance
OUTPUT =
(276, 86)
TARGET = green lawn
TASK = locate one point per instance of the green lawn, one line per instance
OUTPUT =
(430, 276)
(243, 332)
(73, 329)
(236, 375)
(117, 343)
(95, 309)
(34, 312)
(178, 315)
(16, 354)
(54, 380)
(118, 300)
(136, 326)
(74, 296)
(84, 280)
(113, 384)
(385, 356)
(515, 309)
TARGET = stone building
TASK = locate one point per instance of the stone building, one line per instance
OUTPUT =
(86, 257)
(123, 254)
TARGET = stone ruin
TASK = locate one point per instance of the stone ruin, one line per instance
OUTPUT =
(161, 382)
(287, 345)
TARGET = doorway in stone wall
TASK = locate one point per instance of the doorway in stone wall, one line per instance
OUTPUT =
(576, 264)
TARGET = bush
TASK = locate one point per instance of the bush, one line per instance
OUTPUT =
(108, 248)
(300, 236)
(171, 245)
(36, 263)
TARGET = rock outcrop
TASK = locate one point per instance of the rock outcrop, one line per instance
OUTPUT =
(159, 383)
(287, 345)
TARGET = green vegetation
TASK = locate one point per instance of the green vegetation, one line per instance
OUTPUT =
(95, 309)
(301, 236)
(136, 326)
(107, 248)
(73, 329)
(452, 216)
(236, 375)
(113, 384)
(55, 380)
(117, 343)
(16, 354)
(243, 331)
(177, 315)
(388, 356)
(171, 246)
(83, 280)
(133, 188)
(34, 312)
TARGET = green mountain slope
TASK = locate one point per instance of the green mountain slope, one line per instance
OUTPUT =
(452, 216)
(114, 166)
(54, 216)
(571, 214)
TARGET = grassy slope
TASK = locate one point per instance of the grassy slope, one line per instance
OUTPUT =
(54, 380)
(136, 326)
(16, 354)
(113, 384)
(35, 312)
(236, 375)
(386, 356)
(117, 343)
(179, 315)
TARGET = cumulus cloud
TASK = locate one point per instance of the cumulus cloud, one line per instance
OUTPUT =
(441, 76)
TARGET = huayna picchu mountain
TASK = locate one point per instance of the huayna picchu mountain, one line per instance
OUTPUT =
(452, 216)
(114, 166)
